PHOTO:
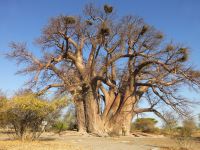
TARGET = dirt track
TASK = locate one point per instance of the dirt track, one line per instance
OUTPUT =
(118, 143)
(73, 141)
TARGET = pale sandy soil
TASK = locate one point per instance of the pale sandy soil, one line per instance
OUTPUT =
(74, 141)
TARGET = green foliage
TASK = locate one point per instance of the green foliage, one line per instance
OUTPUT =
(144, 124)
(60, 126)
(67, 122)
(70, 118)
(27, 112)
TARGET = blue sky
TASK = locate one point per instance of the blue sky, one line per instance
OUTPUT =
(23, 20)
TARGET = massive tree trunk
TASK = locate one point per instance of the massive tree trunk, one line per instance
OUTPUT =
(116, 118)
(80, 116)
(93, 120)
(119, 123)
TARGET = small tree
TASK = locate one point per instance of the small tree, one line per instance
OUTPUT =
(145, 124)
(27, 113)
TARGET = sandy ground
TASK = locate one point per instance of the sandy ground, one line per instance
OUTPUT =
(74, 141)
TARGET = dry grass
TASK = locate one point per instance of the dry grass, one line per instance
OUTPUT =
(182, 144)
(36, 145)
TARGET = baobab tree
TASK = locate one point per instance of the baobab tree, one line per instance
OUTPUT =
(108, 65)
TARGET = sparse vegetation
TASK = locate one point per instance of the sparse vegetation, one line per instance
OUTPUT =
(183, 135)
(169, 124)
(93, 74)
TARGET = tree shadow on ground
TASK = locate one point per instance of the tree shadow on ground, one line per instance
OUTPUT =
(46, 139)
(197, 139)
(160, 147)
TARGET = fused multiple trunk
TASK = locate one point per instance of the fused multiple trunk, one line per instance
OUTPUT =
(108, 67)
(115, 118)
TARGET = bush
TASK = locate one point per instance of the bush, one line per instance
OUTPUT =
(144, 124)
(67, 121)
(60, 126)
(70, 118)
(28, 114)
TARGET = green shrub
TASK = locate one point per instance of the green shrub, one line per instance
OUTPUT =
(170, 122)
(60, 126)
(144, 124)
(67, 122)
(70, 118)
